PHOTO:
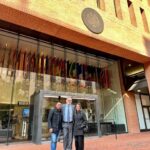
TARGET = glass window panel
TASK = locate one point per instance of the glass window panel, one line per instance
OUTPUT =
(82, 73)
(145, 100)
(8, 40)
(50, 66)
(89, 108)
(147, 117)
(45, 57)
(71, 71)
(92, 74)
(7, 64)
(111, 103)
(58, 52)
(146, 113)
(24, 86)
(58, 69)
(140, 111)
(26, 70)
(103, 63)
(26, 73)
(8, 53)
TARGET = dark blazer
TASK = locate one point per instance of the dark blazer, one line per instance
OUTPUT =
(80, 122)
(55, 120)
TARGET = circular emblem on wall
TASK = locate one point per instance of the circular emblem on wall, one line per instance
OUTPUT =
(92, 20)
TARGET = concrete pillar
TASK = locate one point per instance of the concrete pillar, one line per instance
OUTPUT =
(131, 113)
(147, 74)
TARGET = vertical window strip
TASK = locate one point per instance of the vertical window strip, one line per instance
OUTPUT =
(101, 4)
(148, 1)
(144, 19)
(132, 13)
(118, 11)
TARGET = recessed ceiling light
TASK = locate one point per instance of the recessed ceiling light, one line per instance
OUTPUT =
(139, 91)
(129, 65)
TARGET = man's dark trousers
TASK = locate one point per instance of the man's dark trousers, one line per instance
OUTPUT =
(68, 135)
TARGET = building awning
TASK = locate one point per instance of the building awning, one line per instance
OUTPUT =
(139, 86)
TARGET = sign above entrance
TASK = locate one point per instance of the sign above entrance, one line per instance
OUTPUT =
(23, 103)
(92, 20)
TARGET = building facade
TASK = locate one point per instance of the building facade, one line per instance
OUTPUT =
(48, 52)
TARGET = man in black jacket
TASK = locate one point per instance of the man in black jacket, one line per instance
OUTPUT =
(55, 124)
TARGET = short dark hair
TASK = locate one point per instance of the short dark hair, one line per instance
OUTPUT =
(79, 105)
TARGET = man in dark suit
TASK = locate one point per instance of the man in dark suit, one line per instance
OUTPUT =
(68, 113)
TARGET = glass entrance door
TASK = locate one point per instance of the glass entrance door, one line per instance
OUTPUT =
(88, 106)
(43, 101)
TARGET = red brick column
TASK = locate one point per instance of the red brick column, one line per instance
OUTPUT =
(147, 73)
(131, 113)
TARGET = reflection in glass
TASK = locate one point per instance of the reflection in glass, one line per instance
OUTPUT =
(89, 107)
(42, 65)
(112, 113)
(58, 69)
(71, 72)
(82, 73)
(8, 58)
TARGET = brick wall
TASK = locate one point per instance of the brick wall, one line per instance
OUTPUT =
(131, 113)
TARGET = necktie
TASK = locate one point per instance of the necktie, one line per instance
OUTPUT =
(68, 118)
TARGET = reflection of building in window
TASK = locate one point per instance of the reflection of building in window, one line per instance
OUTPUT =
(5, 120)
(90, 112)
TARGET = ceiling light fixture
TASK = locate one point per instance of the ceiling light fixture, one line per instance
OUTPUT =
(129, 65)
(138, 91)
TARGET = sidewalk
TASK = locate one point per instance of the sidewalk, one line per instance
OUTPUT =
(140, 141)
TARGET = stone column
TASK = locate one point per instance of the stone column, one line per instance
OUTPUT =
(131, 113)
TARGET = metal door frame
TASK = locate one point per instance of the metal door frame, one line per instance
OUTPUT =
(145, 119)
(37, 102)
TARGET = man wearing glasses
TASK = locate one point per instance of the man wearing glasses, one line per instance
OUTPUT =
(67, 115)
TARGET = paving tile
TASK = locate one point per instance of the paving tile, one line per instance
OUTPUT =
(140, 141)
